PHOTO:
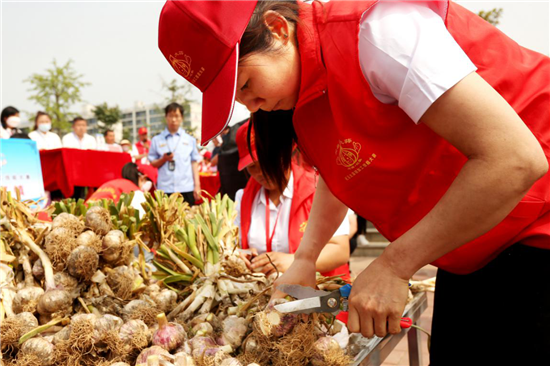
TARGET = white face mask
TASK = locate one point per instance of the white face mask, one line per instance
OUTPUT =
(125, 148)
(147, 186)
(13, 121)
(45, 127)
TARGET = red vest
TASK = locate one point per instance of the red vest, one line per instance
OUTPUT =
(112, 190)
(302, 199)
(382, 165)
(141, 148)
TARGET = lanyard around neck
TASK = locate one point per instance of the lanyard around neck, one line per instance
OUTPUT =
(175, 146)
(269, 238)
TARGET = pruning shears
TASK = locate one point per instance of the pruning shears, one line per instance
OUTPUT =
(310, 301)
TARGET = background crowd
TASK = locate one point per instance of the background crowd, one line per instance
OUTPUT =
(173, 162)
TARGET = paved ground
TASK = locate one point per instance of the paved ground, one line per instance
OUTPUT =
(400, 355)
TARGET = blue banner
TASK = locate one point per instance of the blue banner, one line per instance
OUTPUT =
(20, 167)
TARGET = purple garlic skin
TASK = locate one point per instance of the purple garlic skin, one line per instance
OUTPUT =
(169, 336)
(132, 328)
(202, 343)
(38, 270)
(234, 330)
(323, 346)
(151, 351)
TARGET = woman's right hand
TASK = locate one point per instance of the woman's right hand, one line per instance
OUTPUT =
(301, 272)
(247, 257)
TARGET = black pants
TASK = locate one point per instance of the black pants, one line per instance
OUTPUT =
(498, 315)
(79, 192)
(188, 197)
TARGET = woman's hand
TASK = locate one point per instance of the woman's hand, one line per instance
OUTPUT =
(377, 300)
(247, 257)
(301, 272)
(282, 261)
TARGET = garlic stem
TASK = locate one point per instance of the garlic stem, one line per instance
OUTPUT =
(161, 319)
(40, 329)
(178, 262)
(46, 263)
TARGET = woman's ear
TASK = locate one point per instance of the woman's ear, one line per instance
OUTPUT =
(278, 26)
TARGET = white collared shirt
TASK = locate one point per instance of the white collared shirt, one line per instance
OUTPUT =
(257, 234)
(408, 56)
(46, 141)
(72, 141)
(112, 147)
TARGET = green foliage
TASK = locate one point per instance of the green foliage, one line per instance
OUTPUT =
(491, 16)
(109, 116)
(177, 92)
(57, 90)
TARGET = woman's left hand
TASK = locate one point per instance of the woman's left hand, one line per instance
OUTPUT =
(281, 260)
(377, 300)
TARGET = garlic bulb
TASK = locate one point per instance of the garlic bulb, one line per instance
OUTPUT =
(169, 335)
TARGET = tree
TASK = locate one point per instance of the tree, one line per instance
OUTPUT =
(108, 116)
(176, 92)
(491, 16)
(57, 91)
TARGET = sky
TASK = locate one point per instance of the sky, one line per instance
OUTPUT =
(113, 44)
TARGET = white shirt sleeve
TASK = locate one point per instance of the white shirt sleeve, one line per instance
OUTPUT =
(138, 199)
(343, 229)
(408, 56)
(238, 198)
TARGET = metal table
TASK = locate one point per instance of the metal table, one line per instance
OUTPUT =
(374, 351)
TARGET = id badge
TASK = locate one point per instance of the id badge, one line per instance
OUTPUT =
(171, 165)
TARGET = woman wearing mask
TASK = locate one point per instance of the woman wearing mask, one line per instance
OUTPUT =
(45, 140)
(421, 117)
(272, 222)
(126, 147)
(10, 122)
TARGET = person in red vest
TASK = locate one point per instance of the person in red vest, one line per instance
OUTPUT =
(141, 148)
(419, 116)
(134, 179)
(272, 222)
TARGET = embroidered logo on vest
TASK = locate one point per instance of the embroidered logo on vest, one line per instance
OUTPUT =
(303, 226)
(347, 153)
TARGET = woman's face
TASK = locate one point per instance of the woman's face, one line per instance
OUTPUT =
(271, 80)
(43, 119)
(255, 172)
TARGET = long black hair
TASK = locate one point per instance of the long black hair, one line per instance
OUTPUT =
(275, 141)
(275, 137)
(8, 112)
(130, 171)
(257, 37)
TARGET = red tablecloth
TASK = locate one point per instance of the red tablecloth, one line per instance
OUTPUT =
(210, 183)
(64, 169)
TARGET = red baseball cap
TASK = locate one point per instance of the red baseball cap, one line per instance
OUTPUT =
(200, 39)
(245, 157)
(149, 171)
(142, 131)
